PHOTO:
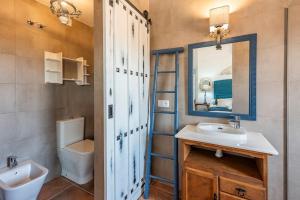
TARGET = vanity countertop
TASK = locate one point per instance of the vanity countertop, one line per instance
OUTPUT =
(255, 141)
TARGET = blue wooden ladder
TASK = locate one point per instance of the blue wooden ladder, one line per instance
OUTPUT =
(154, 112)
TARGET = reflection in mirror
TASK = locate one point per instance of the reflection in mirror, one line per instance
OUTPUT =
(221, 78)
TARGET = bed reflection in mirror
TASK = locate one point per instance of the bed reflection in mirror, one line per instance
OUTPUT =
(221, 78)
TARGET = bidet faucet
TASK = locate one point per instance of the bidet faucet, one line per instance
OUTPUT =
(12, 161)
(236, 122)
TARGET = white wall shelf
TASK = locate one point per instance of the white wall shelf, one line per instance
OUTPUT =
(59, 69)
(53, 68)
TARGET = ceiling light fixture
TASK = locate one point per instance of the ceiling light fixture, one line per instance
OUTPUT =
(64, 10)
(219, 24)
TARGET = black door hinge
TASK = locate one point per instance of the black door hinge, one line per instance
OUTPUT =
(111, 3)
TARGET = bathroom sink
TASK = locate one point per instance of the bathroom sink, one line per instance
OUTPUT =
(224, 130)
(22, 182)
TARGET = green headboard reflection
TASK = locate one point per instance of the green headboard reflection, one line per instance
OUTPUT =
(223, 89)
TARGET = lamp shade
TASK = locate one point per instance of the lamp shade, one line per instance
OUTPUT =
(205, 84)
(219, 17)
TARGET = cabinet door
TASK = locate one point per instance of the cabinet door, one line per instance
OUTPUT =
(199, 185)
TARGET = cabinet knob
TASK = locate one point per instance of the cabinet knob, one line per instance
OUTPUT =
(240, 192)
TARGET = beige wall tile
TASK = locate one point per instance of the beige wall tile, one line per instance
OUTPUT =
(8, 98)
(266, 72)
(7, 68)
(35, 124)
(294, 98)
(8, 130)
(270, 102)
(29, 71)
(34, 97)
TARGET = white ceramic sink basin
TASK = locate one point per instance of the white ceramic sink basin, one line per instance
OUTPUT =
(224, 130)
(22, 182)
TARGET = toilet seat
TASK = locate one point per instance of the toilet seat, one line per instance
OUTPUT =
(82, 147)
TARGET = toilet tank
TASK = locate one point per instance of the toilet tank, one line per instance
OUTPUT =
(69, 131)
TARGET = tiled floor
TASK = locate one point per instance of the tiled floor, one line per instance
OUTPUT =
(64, 189)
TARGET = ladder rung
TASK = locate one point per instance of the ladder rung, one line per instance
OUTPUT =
(162, 179)
(166, 91)
(163, 134)
(165, 112)
(166, 72)
(168, 51)
(162, 156)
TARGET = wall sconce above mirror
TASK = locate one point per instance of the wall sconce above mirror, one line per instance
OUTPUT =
(222, 82)
(219, 24)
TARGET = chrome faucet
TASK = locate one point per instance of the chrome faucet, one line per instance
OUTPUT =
(12, 161)
(236, 122)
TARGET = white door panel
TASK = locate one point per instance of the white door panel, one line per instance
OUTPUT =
(121, 103)
(143, 45)
(134, 147)
(121, 136)
(109, 86)
(126, 96)
(134, 144)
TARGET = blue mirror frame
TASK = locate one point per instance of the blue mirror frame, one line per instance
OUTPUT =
(252, 38)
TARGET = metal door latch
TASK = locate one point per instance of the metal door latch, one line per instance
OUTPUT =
(110, 111)
(119, 137)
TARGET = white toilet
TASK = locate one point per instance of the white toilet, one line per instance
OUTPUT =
(76, 155)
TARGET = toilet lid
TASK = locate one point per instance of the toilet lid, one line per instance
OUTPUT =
(83, 147)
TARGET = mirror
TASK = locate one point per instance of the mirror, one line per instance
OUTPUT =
(222, 82)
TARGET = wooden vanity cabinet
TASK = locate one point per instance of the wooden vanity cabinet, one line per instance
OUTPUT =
(232, 177)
